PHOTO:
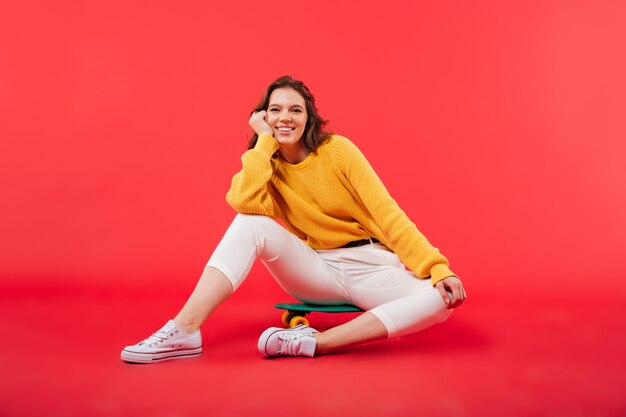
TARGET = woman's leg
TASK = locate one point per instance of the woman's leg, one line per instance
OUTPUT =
(374, 279)
(369, 327)
(212, 289)
(363, 329)
(366, 276)
(398, 302)
(296, 267)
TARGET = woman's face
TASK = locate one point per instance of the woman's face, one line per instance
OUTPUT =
(286, 114)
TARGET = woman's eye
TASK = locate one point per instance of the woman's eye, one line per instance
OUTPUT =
(273, 109)
(297, 110)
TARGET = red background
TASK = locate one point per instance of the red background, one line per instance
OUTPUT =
(497, 126)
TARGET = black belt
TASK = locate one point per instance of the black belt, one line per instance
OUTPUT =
(361, 242)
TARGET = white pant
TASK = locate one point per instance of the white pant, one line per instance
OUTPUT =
(370, 276)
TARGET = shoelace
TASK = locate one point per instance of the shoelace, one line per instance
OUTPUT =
(156, 338)
(291, 342)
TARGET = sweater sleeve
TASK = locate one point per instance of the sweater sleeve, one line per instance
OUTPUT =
(250, 191)
(399, 233)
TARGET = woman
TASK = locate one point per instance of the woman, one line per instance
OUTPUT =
(346, 241)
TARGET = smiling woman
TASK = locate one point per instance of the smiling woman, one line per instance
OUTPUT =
(314, 132)
(345, 241)
(286, 120)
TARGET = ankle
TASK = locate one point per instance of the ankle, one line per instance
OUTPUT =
(186, 327)
(320, 347)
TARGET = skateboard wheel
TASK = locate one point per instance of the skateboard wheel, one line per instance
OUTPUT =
(298, 320)
(286, 318)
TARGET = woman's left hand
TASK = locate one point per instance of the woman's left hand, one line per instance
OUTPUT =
(452, 291)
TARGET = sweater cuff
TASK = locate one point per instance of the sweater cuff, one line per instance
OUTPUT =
(439, 272)
(267, 145)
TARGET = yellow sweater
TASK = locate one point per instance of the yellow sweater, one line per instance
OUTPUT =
(331, 198)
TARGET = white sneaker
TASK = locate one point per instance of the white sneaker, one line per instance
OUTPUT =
(297, 341)
(168, 343)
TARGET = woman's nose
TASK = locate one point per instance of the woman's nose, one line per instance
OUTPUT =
(285, 116)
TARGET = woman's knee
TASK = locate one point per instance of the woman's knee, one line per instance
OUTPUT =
(254, 222)
(440, 310)
(252, 218)
(413, 312)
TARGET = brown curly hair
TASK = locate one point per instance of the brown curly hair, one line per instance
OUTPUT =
(314, 133)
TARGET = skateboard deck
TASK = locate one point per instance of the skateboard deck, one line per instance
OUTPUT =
(294, 312)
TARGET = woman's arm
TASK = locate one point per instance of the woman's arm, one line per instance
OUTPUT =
(250, 191)
(399, 233)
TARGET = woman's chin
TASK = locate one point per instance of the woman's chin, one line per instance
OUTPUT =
(289, 140)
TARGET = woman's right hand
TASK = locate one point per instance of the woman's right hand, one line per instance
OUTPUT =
(258, 122)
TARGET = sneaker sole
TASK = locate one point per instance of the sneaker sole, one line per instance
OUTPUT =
(135, 357)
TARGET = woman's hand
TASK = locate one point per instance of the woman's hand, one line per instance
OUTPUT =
(452, 291)
(258, 122)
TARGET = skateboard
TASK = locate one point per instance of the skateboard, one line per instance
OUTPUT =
(294, 313)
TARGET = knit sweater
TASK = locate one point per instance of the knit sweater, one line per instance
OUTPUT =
(331, 198)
